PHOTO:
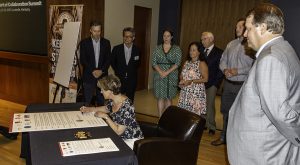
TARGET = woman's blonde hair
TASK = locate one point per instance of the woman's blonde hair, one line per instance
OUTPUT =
(110, 82)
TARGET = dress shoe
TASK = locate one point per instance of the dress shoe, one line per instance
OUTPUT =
(218, 142)
(4, 131)
(211, 132)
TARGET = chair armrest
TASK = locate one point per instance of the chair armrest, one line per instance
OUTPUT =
(148, 129)
(163, 150)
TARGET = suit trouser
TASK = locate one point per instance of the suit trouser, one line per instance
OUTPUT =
(210, 107)
(128, 87)
(230, 92)
(89, 90)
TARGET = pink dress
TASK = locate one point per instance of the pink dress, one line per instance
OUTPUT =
(192, 97)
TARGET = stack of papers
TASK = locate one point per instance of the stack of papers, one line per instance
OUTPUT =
(27, 122)
(80, 147)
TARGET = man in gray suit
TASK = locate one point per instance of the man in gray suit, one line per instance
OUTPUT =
(264, 120)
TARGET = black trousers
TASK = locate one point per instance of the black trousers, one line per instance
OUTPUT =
(128, 87)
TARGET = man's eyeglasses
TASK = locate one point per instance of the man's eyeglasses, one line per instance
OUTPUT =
(128, 36)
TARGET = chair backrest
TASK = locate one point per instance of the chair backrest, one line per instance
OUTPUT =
(181, 124)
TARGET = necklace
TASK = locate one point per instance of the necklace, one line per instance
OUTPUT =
(117, 104)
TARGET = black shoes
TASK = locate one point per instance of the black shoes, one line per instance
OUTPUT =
(218, 142)
(211, 132)
(4, 131)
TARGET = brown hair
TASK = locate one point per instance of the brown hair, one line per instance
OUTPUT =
(269, 14)
(95, 23)
(171, 32)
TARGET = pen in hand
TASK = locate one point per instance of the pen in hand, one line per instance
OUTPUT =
(83, 110)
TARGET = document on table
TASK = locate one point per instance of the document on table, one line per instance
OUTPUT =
(80, 147)
(28, 122)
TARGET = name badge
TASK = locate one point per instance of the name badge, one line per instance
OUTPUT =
(136, 58)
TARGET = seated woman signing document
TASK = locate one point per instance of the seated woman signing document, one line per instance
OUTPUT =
(118, 112)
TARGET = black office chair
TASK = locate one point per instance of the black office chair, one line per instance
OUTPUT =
(174, 140)
(5, 132)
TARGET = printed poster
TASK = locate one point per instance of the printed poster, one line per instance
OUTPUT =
(58, 16)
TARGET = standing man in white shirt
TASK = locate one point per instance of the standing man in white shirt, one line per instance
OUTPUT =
(212, 55)
(94, 58)
(125, 62)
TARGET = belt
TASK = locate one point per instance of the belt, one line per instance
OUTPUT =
(165, 63)
(235, 82)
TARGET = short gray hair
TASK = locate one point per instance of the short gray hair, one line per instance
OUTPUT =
(129, 29)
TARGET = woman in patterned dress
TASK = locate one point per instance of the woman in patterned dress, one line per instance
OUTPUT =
(193, 76)
(165, 60)
(118, 112)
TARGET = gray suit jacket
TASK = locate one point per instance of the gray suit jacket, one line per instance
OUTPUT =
(264, 120)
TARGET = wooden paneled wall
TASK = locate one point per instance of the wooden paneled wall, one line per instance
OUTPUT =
(217, 16)
(24, 78)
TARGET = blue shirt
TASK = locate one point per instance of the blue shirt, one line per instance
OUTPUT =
(234, 57)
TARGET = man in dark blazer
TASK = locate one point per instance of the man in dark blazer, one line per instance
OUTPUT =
(125, 62)
(94, 58)
(213, 55)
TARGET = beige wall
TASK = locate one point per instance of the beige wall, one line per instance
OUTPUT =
(120, 13)
(117, 15)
